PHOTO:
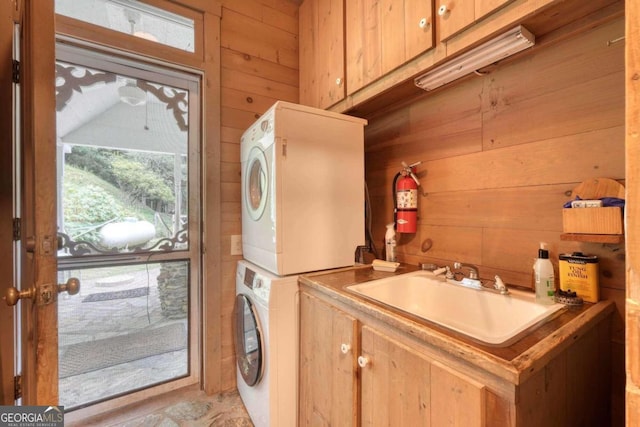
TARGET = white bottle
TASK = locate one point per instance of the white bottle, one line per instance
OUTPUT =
(544, 278)
(390, 243)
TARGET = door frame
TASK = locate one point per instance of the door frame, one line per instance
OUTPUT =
(10, 14)
(39, 348)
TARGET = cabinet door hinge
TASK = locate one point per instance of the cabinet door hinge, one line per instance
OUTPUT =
(15, 76)
(17, 229)
(17, 387)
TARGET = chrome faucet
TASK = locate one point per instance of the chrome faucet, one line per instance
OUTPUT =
(473, 270)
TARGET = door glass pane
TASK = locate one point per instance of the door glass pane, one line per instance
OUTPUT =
(125, 330)
(135, 18)
(126, 156)
(122, 163)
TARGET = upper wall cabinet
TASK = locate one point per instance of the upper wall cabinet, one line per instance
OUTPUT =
(456, 15)
(382, 35)
(321, 35)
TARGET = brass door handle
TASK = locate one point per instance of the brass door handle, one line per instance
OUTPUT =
(43, 295)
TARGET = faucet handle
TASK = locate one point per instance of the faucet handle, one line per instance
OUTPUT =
(500, 286)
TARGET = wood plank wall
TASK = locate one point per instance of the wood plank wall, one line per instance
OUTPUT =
(501, 154)
(259, 65)
(632, 43)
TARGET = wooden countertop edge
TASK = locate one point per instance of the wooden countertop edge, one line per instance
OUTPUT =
(543, 351)
(515, 371)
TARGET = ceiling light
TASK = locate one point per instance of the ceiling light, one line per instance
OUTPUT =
(492, 51)
(132, 94)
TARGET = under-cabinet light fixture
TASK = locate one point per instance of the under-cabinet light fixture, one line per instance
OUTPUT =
(507, 44)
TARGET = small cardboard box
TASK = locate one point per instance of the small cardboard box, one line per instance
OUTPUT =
(606, 220)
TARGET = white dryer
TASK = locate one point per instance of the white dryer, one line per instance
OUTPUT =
(302, 189)
(266, 344)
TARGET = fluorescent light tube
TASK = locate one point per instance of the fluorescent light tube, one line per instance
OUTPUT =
(507, 44)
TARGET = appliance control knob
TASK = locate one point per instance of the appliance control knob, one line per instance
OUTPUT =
(258, 283)
(363, 361)
(345, 348)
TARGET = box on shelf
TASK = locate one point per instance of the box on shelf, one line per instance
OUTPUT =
(606, 220)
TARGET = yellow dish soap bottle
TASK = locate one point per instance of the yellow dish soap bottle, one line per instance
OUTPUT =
(544, 278)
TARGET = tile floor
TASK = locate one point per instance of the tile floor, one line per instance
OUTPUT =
(182, 408)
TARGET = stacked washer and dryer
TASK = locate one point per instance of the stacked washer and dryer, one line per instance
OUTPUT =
(302, 211)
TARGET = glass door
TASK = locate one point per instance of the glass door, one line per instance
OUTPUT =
(128, 226)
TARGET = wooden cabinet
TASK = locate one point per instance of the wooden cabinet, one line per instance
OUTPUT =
(398, 385)
(327, 365)
(358, 367)
(382, 35)
(321, 40)
(454, 16)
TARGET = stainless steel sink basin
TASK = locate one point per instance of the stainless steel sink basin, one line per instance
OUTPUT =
(485, 316)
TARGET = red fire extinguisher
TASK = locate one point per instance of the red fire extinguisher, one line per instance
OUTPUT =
(405, 195)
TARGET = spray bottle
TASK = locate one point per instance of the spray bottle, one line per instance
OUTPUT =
(390, 243)
(544, 278)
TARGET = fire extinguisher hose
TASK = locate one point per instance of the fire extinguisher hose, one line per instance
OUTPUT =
(394, 199)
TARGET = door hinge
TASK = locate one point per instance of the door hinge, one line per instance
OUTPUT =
(17, 387)
(15, 77)
(17, 229)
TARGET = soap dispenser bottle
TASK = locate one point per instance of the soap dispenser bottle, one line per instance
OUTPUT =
(544, 277)
(390, 243)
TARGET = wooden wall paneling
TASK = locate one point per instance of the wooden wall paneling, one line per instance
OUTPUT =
(553, 65)
(548, 161)
(632, 209)
(282, 14)
(462, 244)
(255, 66)
(230, 151)
(590, 105)
(258, 85)
(244, 34)
(533, 207)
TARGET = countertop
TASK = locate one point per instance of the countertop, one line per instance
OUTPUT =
(514, 363)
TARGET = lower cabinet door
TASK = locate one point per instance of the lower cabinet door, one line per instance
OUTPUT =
(328, 344)
(395, 383)
(399, 386)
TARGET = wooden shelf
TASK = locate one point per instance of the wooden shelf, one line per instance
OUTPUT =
(595, 238)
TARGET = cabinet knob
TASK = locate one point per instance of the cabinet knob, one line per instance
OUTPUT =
(339, 81)
(363, 361)
(424, 23)
(345, 348)
(443, 10)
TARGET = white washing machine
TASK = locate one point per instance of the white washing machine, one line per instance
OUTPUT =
(302, 189)
(266, 344)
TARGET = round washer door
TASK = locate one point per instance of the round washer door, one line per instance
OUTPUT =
(248, 341)
(256, 183)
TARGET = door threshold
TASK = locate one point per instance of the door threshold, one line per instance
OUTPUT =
(185, 404)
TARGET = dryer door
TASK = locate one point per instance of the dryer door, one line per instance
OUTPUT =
(248, 339)
(256, 183)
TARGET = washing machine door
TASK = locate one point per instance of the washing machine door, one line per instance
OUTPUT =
(248, 341)
(256, 191)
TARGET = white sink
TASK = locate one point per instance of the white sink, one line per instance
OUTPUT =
(483, 315)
